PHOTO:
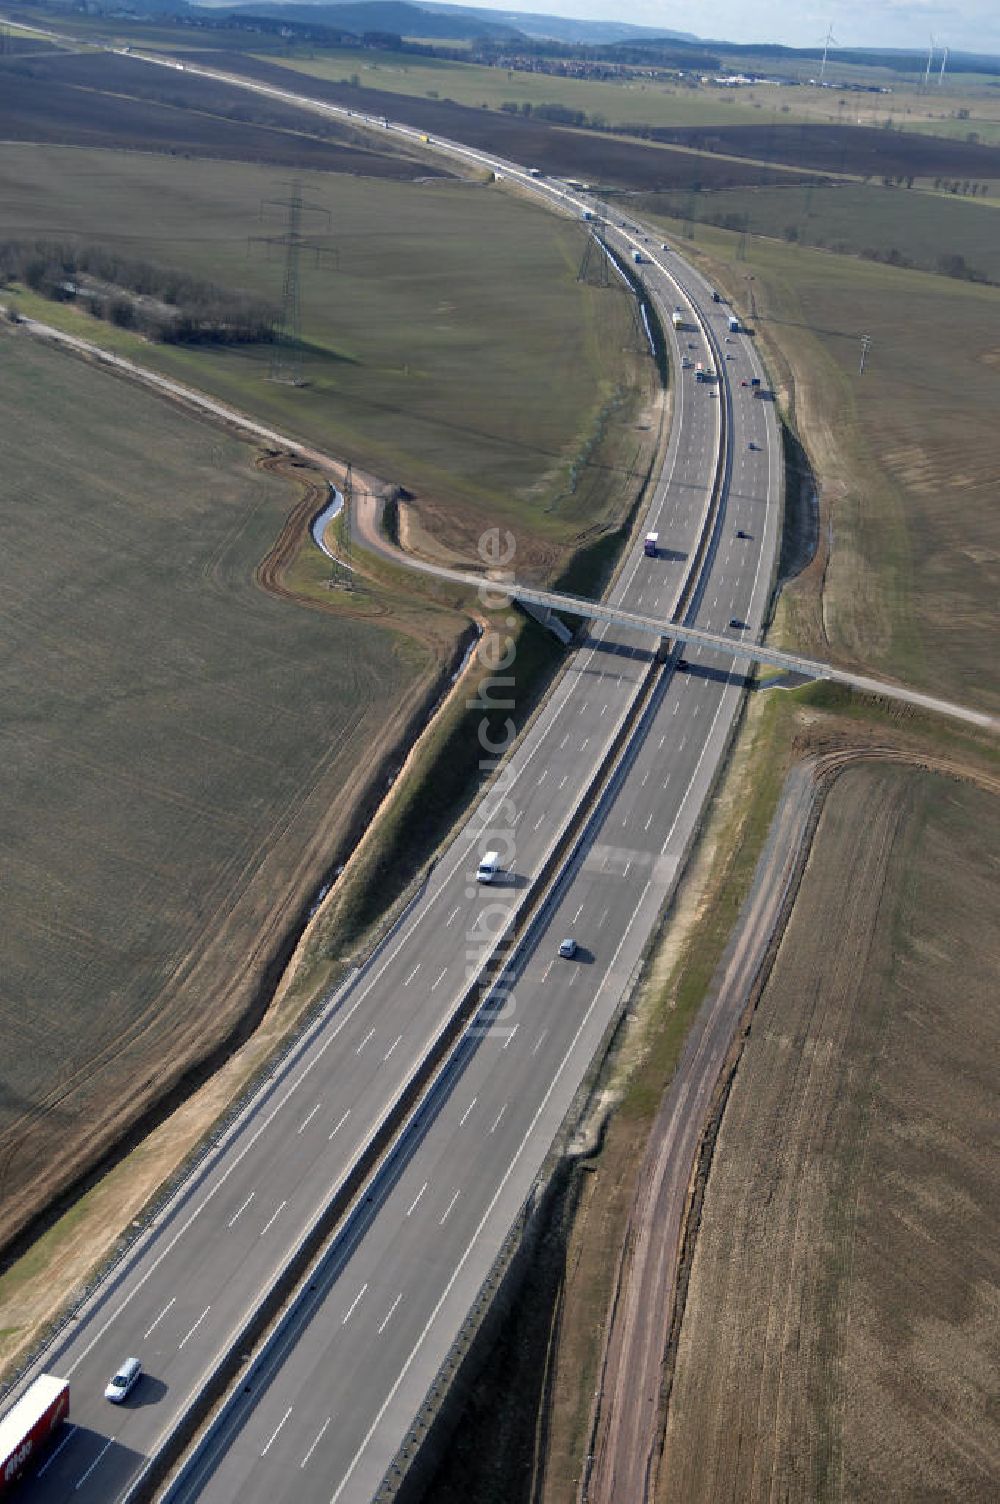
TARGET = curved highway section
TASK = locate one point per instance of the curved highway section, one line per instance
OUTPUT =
(332, 1403)
(324, 1413)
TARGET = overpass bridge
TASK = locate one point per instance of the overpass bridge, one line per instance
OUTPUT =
(739, 647)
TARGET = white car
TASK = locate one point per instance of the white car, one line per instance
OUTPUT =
(567, 949)
(126, 1376)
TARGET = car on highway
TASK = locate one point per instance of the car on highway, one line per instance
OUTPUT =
(741, 532)
(734, 621)
(744, 383)
(567, 948)
(751, 445)
(682, 665)
(123, 1380)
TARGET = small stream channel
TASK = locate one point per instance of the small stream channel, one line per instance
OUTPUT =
(319, 523)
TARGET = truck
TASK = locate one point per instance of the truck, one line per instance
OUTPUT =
(755, 382)
(650, 545)
(734, 324)
(677, 319)
(699, 371)
(29, 1425)
(637, 257)
(716, 298)
(587, 214)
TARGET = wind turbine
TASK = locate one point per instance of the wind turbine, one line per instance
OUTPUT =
(944, 64)
(826, 47)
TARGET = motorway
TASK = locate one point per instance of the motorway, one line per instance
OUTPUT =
(330, 1406)
(333, 1401)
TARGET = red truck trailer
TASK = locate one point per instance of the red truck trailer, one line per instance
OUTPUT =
(26, 1429)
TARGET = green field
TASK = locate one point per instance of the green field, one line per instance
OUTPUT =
(856, 218)
(448, 345)
(627, 103)
(180, 751)
(637, 101)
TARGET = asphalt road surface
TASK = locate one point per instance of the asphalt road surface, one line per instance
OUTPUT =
(326, 1420)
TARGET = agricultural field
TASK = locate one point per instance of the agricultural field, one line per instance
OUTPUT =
(975, 129)
(99, 100)
(840, 1335)
(182, 752)
(446, 342)
(897, 224)
(639, 102)
(635, 101)
(596, 157)
(854, 150)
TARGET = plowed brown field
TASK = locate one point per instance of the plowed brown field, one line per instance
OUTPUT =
(841, 1325)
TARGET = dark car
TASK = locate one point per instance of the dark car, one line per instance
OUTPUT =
(734, 621)
(741, 532)
(682, 665)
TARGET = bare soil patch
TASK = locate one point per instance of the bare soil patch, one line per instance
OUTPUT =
(841, 1321)
(859, 150)
(92, 99)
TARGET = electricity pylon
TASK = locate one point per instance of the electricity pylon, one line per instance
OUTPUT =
(286, 354)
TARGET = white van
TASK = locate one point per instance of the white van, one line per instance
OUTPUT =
(488, 867)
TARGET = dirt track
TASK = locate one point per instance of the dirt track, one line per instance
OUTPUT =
(650, 1288)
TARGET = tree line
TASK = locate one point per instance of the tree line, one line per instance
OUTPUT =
(164, 305)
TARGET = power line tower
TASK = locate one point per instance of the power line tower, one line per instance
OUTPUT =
(866, 344)
(827, 40)
(595, 249)
(286, 354)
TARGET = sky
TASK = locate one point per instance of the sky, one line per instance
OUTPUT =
(968, 25)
